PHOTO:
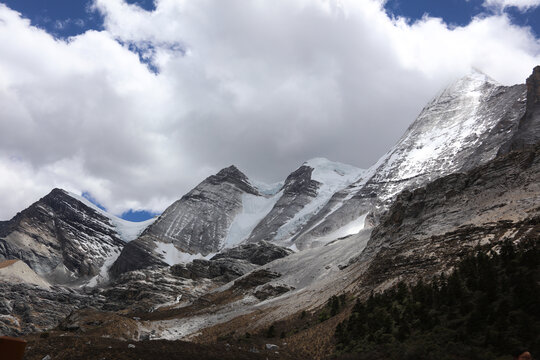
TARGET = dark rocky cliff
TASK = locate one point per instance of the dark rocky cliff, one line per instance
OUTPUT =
(427, 230)
(528, 131)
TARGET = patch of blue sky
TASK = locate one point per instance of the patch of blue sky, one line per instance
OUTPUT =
(65, 18)
(138, 215)
(530, 18)
(130, 215)
(61, 18)
(90, 198)
(147, 50)
(459, 12)
(148, 5)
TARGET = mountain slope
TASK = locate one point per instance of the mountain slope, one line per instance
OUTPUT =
(227, 209)
(425, 231)
(305, 192)
(196, 224)
(463, 127)
(64, 237)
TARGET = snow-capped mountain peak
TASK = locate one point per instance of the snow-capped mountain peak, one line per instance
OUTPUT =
(461, 128)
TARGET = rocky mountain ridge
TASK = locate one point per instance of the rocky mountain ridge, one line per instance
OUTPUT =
(227, 209)
(61, 238)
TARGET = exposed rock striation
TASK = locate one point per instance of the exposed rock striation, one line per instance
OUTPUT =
(26, 308)
(260, 253)
(223, 270)
(427, 230)
(528, 131)
(298, 191)
(135, 255)
(231, 263)
(198, 222)
(195, 224)
(60, 238)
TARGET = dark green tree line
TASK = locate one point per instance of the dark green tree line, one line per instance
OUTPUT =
(489, 305)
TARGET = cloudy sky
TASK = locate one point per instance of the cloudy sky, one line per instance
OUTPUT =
(135, 102)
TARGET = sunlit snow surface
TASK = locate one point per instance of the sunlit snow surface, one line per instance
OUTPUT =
(254, 209)
(449, 124)
(171, 255)
(354, 227)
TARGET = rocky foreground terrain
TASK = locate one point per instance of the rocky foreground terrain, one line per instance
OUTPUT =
(240, 269)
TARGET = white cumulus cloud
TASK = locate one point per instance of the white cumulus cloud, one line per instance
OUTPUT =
(522, 5)
(261, 84)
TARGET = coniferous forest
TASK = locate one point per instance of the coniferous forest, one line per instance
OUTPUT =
(487, 307)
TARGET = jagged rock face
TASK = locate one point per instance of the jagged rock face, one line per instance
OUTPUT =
(528, 132)
(304, 194)
(226, 210)
(223, 270)
(298, 191)
(27, 308)
(198, 222)
(231, 263)
(60, 238)
(254, 279)
(260, 253)
(137, 254)
(427, 230)
(465, 126)
(147, 289)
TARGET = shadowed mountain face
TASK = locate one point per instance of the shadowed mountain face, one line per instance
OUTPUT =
(427, 230)
(60, 238)
(528, 131)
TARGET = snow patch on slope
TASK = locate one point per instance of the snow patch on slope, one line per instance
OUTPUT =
(332, 173)
(254, 209)
(354, 227)
(103, 275)
(172, 256)
(439, 133)
(267, 189)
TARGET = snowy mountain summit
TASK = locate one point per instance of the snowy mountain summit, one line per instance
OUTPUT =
(461, 128)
